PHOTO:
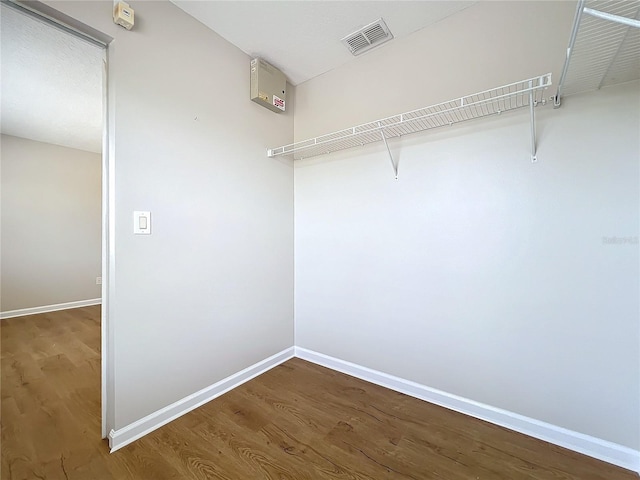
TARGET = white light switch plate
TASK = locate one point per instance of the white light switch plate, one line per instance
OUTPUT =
(142, 223)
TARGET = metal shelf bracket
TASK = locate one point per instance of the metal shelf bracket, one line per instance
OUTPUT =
(532, 114)
(384, 139)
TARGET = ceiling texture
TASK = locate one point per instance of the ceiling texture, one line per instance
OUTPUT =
(51, 84)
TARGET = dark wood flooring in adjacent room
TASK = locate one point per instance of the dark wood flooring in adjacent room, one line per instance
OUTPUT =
(297, 421)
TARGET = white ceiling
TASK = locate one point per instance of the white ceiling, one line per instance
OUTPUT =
(302, 38)
(51, 84)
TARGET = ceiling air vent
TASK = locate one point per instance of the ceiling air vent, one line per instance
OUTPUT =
(367, 37)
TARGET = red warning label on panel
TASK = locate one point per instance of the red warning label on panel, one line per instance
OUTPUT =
(278, 102)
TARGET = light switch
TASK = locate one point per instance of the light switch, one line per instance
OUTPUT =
(142, 223)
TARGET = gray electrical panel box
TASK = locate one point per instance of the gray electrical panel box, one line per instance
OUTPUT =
(268, 85)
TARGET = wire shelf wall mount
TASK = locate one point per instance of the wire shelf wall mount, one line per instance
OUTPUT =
(525, 93)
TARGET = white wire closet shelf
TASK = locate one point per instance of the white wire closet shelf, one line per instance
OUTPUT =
(604, 47)
(516, 95)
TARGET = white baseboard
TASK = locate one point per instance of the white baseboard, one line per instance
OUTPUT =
(124, 436)
(594, 447)
(49, 308)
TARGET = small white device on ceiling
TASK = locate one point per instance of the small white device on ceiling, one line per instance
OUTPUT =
(368, 37)
(123, 15)
(268, 85)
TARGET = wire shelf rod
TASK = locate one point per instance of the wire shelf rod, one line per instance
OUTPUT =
(614, 18)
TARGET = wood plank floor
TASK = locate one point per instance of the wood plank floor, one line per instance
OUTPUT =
(298, 421)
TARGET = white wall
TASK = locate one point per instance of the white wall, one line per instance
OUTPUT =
(51, 230)
(477, 272)
(210, 291)
(481, 274)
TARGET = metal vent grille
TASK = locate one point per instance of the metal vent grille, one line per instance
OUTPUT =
(367, 37)
(375, 33)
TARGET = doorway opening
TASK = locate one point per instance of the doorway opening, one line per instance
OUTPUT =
(57, 181)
